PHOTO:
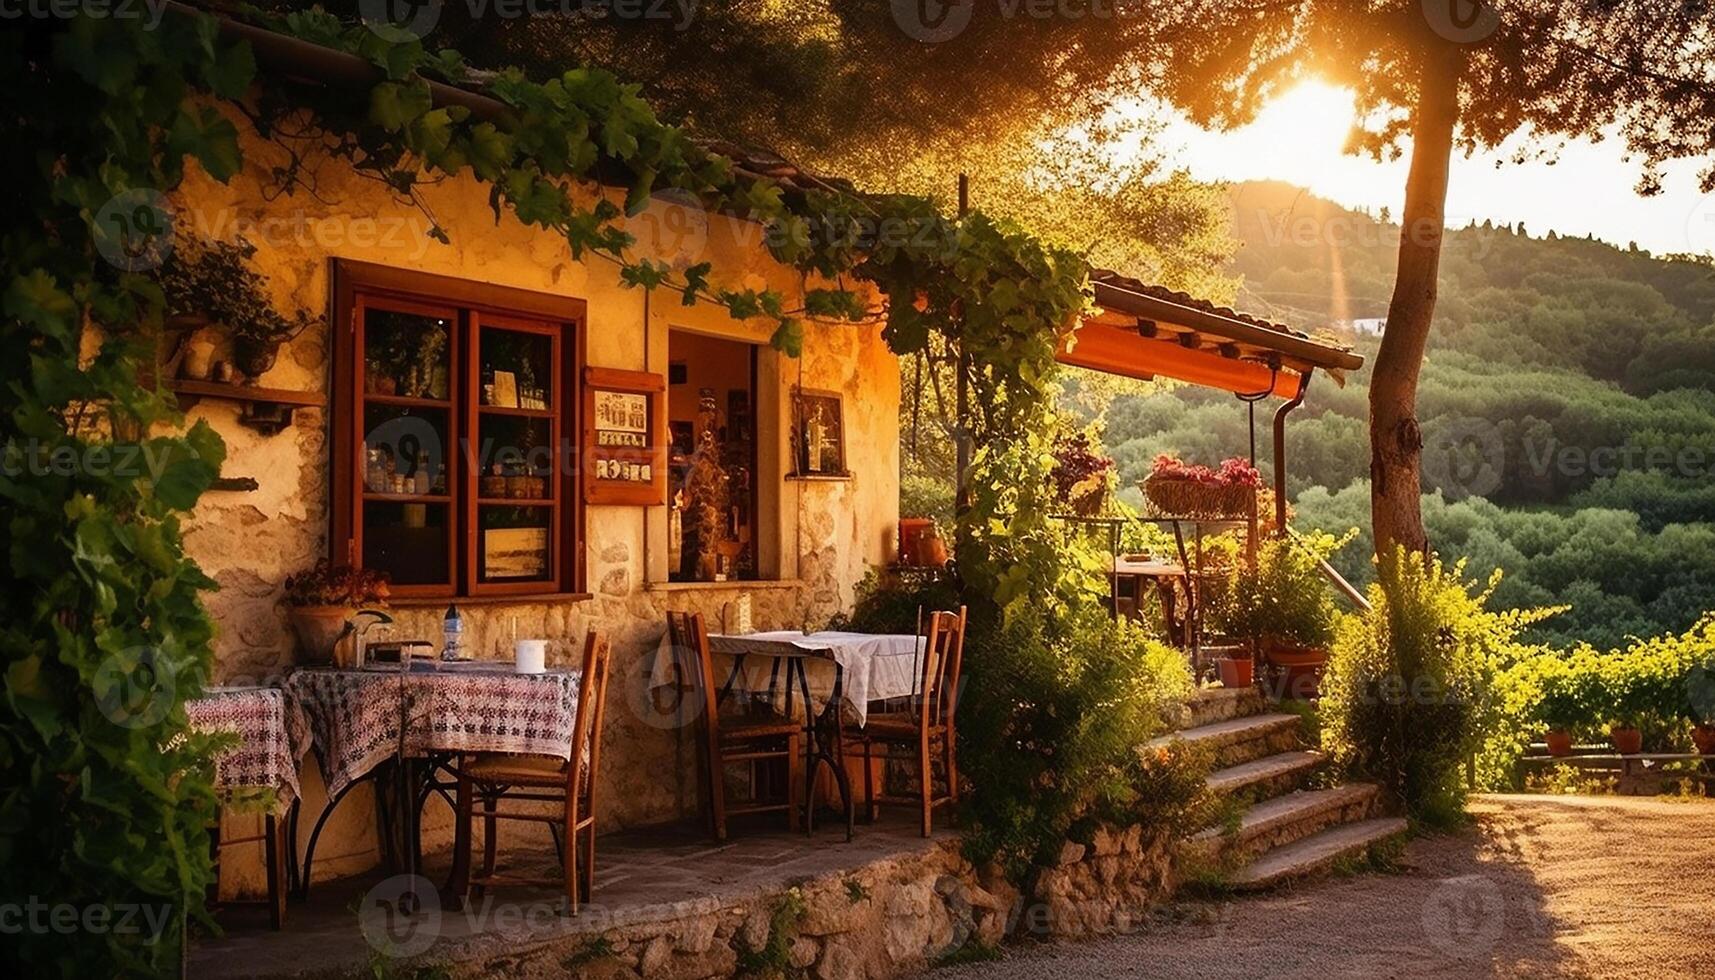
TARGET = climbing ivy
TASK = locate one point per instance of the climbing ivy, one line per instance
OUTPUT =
(106, 796)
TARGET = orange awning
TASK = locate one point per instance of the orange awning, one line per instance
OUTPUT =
(1117, 350)
(1144, 331)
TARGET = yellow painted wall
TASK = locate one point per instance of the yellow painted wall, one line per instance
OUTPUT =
(823, 535)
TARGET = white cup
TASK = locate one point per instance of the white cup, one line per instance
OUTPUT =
(530, 656)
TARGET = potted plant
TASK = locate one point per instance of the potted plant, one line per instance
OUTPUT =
(1284, 606)
(1700, 704)
(1626, 696)
(1080, 476)
(1192, 490)
(1236, 666)
(322, 602)
(210, 281)
(1562, 708)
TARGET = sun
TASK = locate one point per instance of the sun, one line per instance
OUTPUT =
(1305, 128)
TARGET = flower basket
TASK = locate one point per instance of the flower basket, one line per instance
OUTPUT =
(1194, 498)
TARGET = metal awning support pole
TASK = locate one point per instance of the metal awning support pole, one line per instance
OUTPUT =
(1280, 415)
(961, 398)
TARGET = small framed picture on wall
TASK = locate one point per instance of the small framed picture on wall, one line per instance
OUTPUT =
(818, 433)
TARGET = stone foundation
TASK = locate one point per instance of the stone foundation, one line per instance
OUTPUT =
(889, 918)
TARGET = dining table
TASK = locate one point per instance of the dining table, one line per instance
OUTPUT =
(1131, 579)
(261, 766)
(412, 722)
(257, 771)
(855, 670)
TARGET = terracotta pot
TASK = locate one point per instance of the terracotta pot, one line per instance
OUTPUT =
(319, 630)
(1559, 743)
(1627, 741)
(911, 531)
(1704, 737)
(1300, 669)
(1236, 672)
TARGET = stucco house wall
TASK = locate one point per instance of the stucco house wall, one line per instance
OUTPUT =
(818, 538)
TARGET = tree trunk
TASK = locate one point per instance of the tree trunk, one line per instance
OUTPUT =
(1396, 442)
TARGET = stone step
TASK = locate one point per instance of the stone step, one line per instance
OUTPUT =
(1278, 822)
(1266, 777)
(1239, 740)
(1213, 704)
(1316, 853)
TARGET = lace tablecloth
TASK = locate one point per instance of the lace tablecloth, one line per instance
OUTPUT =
(874, 667)
(271, 740)
(357, 717)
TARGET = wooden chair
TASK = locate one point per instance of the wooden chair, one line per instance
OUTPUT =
(926, 725)
(747, 739)
(275, 848)
(499, 777)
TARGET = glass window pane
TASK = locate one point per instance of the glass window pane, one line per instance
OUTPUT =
(405, 450)
(517, 369)
(407, 541)
(407, 355)
(515, 458)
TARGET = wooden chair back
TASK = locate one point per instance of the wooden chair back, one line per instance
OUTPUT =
(943, 652)
(689, 633)
(592, 711)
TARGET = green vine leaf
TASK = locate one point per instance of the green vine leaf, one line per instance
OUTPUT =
(788, 338)
(209, 137)
(230, 73)
(393, 105)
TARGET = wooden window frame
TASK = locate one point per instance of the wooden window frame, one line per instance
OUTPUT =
(355, 283)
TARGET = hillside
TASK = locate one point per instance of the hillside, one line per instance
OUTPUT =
(1568, 403)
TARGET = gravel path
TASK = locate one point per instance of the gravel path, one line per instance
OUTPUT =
(1542, 887)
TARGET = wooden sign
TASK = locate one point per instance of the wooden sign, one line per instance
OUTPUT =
(625, 437)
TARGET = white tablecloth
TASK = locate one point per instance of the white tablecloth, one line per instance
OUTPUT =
(875, 667)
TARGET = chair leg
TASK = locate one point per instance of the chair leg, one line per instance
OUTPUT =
(717, 793)
(795, 771)
(571, 851)
(272, 852)
(589, 862)
(490, 843)
(459, 882)
(952, 769)
(869, 813)
(925, 779)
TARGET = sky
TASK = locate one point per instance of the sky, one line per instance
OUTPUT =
(1587, 190)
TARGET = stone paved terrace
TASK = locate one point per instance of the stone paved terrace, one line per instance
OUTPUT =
(668, 902)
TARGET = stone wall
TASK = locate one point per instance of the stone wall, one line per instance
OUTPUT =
(821, 537)
(891, 917)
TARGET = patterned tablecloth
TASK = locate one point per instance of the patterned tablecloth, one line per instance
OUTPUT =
(271, 740)
(874, 667)
(357, 716)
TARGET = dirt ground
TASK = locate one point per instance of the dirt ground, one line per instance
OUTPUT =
(1543, 886)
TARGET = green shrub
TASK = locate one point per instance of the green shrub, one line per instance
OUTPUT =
(1402, 700)
(1049, 726)
(885, 605)
(1284, 597)
(926, 496)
